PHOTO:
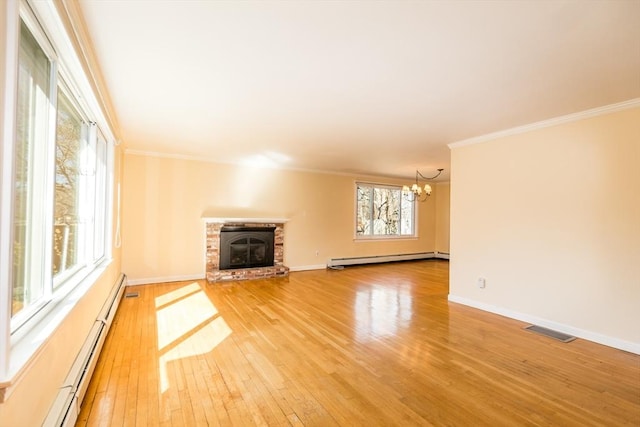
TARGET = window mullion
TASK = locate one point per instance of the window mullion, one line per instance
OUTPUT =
(82, 195)
(399, 197)
(371, 210)
(88, 205)
(101, 193)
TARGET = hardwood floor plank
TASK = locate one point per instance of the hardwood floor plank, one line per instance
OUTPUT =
(371, 345)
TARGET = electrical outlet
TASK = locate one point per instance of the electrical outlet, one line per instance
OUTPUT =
(482, 282)
(317, 252)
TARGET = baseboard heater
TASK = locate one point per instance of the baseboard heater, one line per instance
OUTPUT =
(341, 262)
(66, 408)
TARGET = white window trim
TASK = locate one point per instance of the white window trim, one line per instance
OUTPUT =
(377, 238)
(20, 350)
(42, 169)
(6, 189)
(381, 237)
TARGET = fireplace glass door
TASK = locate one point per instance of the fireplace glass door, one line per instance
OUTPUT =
(247, 252)
(246, 247)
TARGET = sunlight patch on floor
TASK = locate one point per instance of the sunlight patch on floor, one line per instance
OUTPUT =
(172, 296)
(188, 325)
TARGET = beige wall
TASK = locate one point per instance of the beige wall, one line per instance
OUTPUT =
(551, 219)
(442, 216)
(31, 398)
(165, 199)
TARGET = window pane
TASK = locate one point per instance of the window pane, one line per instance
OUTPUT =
(363, 216)
(68, 223)
(31, 135)
(386, 211)
(406, 215)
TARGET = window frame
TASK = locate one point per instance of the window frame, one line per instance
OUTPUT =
(55, 287)
(61, 278)
(41, 171)
(377, 237)
(22, 334)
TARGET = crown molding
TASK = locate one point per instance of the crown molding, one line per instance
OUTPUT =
(607, 109)
(176, 156)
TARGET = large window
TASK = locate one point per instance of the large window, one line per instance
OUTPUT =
(30, 151)
(383, 212)
(60, 177)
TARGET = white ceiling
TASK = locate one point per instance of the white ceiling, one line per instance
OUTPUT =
(354, 86)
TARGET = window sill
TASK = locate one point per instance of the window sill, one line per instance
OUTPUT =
(383, 238)
(25, 350)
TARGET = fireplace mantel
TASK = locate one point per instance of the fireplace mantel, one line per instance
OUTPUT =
(221, 220)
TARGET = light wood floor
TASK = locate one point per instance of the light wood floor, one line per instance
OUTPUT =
(375, 345)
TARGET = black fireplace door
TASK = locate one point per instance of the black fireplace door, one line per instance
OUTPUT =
(246, 247)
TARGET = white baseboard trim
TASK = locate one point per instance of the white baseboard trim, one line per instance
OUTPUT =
(560, 327)
(181, 278)
(151, 280)
(308, 267)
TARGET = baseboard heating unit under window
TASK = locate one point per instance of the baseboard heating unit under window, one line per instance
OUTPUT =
(341, 262)
(66, 408)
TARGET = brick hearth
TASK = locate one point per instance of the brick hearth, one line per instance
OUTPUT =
(214, 274)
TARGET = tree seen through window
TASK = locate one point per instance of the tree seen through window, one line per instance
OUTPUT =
(382, 211)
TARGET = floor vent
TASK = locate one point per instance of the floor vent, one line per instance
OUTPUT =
(132, 295)
(551, 333)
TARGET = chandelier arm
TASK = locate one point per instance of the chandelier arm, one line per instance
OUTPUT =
(428, 178)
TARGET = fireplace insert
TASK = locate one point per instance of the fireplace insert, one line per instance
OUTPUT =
(246, 247)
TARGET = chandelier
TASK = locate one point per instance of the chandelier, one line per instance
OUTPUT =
(416, 192)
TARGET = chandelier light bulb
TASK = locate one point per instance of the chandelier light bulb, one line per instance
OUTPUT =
(417, 190)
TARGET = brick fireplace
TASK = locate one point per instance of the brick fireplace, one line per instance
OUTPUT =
(213, 229)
